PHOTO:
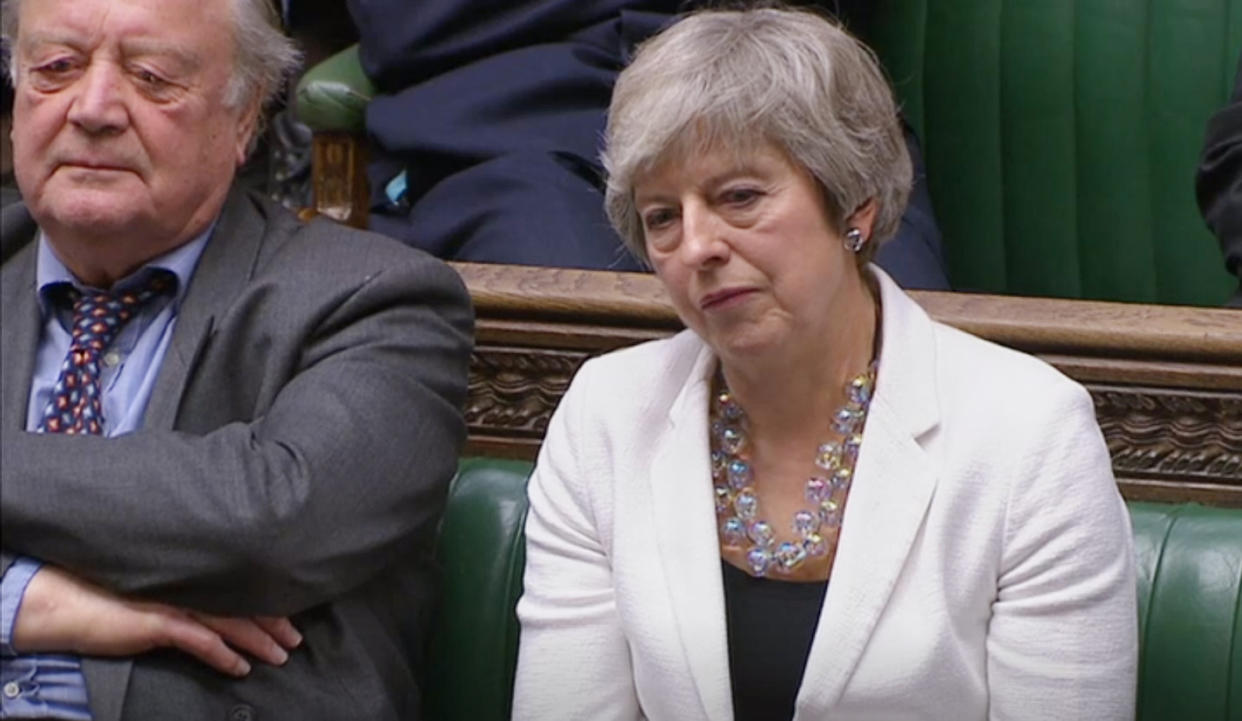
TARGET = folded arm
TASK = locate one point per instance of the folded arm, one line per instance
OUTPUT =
(340, 474)
(63, 614)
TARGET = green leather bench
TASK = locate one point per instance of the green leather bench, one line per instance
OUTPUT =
(1189, 590)
(1061, 138)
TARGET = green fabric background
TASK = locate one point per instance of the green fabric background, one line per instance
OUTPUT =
(1062, 138)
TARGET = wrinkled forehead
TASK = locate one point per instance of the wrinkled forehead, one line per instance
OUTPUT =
(199, 28)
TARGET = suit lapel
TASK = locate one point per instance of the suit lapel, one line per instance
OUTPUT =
(106, 679)
(686, 533)
(19, 336)
(222, 273)
(893, 486)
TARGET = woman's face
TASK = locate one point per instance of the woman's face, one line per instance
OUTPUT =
(743, 243)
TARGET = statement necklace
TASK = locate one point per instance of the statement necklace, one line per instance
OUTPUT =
(737, 504)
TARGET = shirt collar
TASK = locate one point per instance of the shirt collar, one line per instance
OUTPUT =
(180, 261)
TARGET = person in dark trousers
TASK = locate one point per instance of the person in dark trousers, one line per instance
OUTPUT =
(487, 125)
(1218, 185)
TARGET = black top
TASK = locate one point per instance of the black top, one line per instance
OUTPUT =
(771, 624)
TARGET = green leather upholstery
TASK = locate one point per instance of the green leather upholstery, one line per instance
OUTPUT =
(1062, 136)
(1190, 611)
(333, 95)
(1189, 589)
(482, 551)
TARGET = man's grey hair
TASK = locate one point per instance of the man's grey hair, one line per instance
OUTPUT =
(734, 80)
(264, 55)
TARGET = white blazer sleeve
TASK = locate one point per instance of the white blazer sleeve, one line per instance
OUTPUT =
(573, 658)
(1063, 638)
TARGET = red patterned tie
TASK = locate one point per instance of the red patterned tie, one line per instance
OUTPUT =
(77, 403)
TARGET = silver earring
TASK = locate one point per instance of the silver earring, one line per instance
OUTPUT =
(854, 240)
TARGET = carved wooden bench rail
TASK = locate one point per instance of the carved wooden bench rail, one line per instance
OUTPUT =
(1167, 380)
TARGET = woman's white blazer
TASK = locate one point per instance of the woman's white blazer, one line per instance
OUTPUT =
(985, 567)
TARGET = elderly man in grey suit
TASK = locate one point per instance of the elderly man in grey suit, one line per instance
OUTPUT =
(227, 436)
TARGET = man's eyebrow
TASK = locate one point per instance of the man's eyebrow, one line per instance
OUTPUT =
(130, 46)
(152, 46)
(50, 37)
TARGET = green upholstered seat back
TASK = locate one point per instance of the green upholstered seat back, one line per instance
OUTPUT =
(1062, 137)
(482, 551)
(1190, 611)
(333, 95)
(1189, 589)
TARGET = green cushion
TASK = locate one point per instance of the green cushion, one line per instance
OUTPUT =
(333, 95)
(1190, 611)
(482, 551)
(1189, 562)
(1062, 137)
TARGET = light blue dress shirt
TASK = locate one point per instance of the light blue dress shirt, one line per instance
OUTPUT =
(52, 685)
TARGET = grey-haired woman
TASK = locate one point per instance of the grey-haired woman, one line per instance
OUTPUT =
(815, 502)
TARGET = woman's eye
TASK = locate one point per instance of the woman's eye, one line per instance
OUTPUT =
(656, 219)
(740, 196)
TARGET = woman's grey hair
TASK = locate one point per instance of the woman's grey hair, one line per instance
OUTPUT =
(264, 54)
(737, 79)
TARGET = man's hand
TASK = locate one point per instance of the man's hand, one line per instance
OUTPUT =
(63, 613)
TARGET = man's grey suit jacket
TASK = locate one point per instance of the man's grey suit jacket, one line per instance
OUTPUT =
(294, 460)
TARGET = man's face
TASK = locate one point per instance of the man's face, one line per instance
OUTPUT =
(122, 144)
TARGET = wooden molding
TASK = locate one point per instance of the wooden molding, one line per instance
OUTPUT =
(1166, 380)
(339, 177)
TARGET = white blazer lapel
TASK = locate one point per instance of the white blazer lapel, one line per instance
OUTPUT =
(686, 533)
(892, 489)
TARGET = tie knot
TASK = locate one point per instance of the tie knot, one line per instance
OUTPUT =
(98, 315)
(76, 405)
